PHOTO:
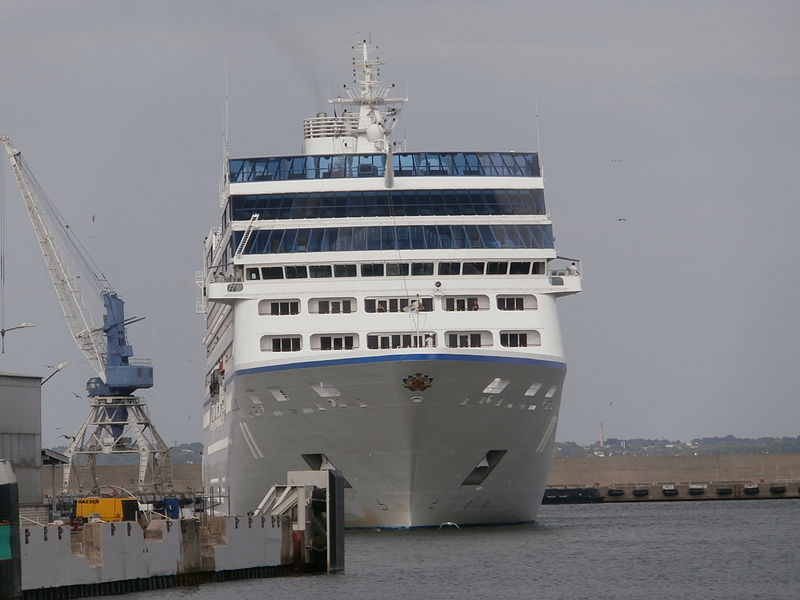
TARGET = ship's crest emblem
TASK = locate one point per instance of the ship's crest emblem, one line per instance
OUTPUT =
(417, 382)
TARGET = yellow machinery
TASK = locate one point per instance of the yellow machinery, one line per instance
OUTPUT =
(108, 509)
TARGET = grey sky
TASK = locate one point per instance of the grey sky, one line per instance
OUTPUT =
(681, 117)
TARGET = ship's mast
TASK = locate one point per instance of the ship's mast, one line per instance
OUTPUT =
(369, 112)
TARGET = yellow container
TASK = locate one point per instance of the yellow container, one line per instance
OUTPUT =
(108, 509)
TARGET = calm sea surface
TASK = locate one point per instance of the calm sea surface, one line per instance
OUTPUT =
(712, 549)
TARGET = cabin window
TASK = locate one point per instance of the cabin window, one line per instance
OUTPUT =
(272, 343)
(393, 305)
(296, 272)
(496, 268)
(472, 268)
(461, 303)
(449, 268)
(519, 268)
(279, 307)
(510, 303)
(332, 306)
(538, 268)
(372, 270)
(344, 270)
(520, 339)
(388, 341)
(334, 341)
(253, 273)
(464, 339)
(271, 272)
(526, 302)
(422, 268)
(396, 269)
(320, 271)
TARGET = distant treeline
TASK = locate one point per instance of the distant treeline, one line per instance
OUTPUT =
(181, 455)
(193, 452)
(710, 445)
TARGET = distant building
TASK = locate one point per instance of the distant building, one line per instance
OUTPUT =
(21, 432)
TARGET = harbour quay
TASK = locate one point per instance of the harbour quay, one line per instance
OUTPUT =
(673, 478)
(90, 542)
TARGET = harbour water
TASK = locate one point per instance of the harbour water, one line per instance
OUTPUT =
(726, 549)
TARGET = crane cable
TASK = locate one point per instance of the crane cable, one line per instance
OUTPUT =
(84, 260)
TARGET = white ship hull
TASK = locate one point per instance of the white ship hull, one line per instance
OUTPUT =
(405, 453)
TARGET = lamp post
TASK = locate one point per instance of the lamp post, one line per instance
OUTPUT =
(4, 331)
(60, 367)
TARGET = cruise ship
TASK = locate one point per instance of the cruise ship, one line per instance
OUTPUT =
(386, 313)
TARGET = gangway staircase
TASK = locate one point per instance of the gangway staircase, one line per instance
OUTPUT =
(251, 224)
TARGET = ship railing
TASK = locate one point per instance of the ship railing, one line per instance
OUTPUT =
(573, 268)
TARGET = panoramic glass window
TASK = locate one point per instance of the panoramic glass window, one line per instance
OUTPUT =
(385, 203)
(411, 237)
(407, 164)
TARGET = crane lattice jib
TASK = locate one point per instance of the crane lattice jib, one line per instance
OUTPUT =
(87, 335)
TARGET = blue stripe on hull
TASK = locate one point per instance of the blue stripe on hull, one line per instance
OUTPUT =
(403, 358)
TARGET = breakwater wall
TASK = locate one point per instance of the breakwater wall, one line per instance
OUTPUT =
(669, 478)
(619, 470)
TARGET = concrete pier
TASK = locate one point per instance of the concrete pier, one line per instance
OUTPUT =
(672, 478)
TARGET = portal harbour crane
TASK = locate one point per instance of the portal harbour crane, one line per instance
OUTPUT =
(118, 422)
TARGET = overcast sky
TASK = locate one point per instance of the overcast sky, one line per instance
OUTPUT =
(681, 117)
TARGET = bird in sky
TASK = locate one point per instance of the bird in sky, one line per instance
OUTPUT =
(621, 220)
(69, 437)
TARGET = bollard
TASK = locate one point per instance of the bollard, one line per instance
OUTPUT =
(10, 563)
